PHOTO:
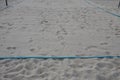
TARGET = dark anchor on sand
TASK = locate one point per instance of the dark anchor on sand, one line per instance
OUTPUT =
(119, 4)
(6, 2)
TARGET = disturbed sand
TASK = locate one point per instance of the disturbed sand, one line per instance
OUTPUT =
(74, 69)
(59, 28)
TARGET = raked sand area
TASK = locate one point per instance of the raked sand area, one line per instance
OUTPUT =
(59, 28)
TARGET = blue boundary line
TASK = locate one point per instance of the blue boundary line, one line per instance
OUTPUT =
(90, 2)
(60, 57)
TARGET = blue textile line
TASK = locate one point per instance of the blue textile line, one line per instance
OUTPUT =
(91, 3)
(59, 57)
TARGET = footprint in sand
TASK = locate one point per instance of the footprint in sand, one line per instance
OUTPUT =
(114, 76)
(2, 27)
(90, 47)
(32, 50)
(117, 30)
(30, 66)
(20, 77)
(117, 33)
(61, 31)
(44, 22)
(40, 70)
(63, 44)
(111, 24)
(107, 53)
(1, 44)
(11, 48)
(7, 23)
(104, 43)
(103, 66)
(100, 77)
(58, 32)
(30, 41)
(16, 69)
(60, 37)
(10, 75)
(12, 52)
(108, 37)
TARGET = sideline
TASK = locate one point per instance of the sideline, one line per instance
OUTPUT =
(61, 57)
(100, 8)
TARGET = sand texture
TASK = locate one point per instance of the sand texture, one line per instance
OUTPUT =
(59, 28)
(111, 5)
(76, 69)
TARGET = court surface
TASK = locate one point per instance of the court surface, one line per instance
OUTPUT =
(58, 28)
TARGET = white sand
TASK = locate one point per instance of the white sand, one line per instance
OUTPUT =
(78, 69)
(59, 28)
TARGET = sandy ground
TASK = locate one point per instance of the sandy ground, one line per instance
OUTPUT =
(11, 3)
(47, 28)
(111, 5)
(76, 69)
(59, 28)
